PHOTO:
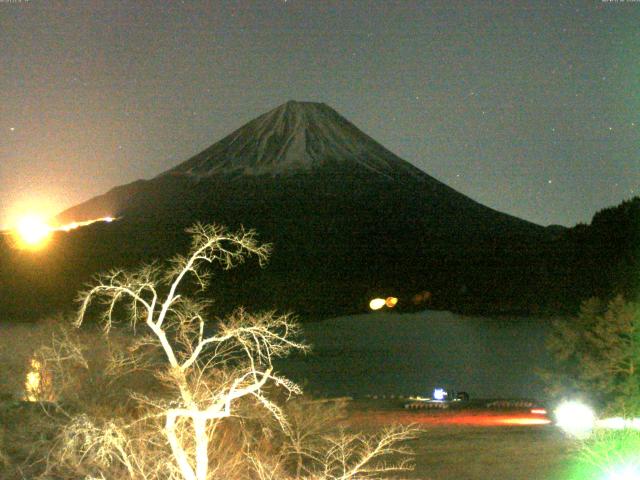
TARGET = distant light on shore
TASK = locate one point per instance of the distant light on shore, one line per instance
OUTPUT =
(378, 303)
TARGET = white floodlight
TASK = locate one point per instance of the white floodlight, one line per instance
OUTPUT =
(575, 418)
(439, 394)
(624, 472)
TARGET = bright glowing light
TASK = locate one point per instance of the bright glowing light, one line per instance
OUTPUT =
(618, 423)
(69, 226)
(624, 472)
(37, 385)
(73, 225)
(32, 382)
(439, 394)
(575, 418)
(539, 411)
(32, 231)
(377, 303)
(613, 423)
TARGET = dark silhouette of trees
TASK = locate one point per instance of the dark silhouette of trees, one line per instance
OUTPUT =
(597, 355)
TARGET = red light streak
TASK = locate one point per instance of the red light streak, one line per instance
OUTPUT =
(489, 420)
(477, 418)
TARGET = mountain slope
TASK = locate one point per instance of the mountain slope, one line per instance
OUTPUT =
(302, 145)
(347, 218)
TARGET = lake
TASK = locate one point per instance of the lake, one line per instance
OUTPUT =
(408, 354)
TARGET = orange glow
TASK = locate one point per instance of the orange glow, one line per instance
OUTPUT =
(32, 232)
(422, 297)
(525, 421)
(391, 302)
(496, 420)
(73, 225)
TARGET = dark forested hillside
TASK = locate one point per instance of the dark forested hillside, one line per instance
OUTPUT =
(605, 255)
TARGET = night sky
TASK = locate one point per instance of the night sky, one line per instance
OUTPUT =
(532, 109)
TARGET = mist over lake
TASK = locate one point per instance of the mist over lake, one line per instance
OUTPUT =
(407, 354)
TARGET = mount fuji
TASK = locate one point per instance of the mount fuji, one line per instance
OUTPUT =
(297, 142)
(348, 219)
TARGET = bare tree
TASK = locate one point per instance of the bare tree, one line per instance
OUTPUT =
(211, 369)
(245, 342)
(355, 455)
(336, 454)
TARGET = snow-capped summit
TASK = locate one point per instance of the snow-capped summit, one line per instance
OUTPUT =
(294, 137)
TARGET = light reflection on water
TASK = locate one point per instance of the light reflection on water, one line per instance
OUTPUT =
(405, 354)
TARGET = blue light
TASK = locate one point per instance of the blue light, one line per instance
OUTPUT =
(439, 394)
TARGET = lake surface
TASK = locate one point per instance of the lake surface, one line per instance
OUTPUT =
(408, 354)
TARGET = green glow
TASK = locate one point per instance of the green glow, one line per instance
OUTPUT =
(607, 455)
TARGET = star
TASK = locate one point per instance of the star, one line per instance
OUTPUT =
(13, 129)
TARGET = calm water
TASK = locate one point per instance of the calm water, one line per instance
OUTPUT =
(403, 354)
